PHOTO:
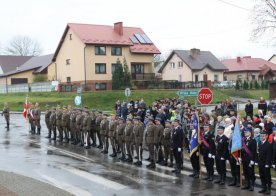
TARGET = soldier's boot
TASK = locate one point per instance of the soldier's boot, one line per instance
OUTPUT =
(268, 190)
(165, 163)
(222, 179)
(196, 174)
(114, 154)
(234, 182)
(193, 174)
(238, 182)
(218, 181)
(49, 134)
(38, 131)
(206, 177)
(8, 125)
(211, 178)
(264, 189)
(246, 185)
(129, 160)
(32, 130)
(55, 135)
(251, 186)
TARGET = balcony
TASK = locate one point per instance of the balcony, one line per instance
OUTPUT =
(143, 76)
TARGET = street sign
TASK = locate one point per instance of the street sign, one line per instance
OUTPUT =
(205, 96)
(79, 89)
(187, 93)
(78, 100)
(127, 92)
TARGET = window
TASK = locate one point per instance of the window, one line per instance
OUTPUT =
(70, 36)
(137, 68)
(99, 50)
(67, 61)
(253, 77)
(196, 78)
(172, 65)
(100, 68)
(116, 51)
(100, 86)
(180, 78)
(68, 79)
(224, 78)
(180, 64)
(114, 67)
(216, 78)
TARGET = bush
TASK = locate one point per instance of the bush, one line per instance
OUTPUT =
(251, 85)
(237, 87)
(257, 86)
(40, 78)
(245, 85)
(263, 84)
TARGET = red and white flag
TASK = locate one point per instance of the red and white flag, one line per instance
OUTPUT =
(26, 108)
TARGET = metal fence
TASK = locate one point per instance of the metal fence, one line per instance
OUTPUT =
(22, 88)
(41, 87)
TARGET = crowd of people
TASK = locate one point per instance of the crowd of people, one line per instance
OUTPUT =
(168, 128)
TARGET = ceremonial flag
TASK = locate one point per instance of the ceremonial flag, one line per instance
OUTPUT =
(26, 108)
(236, 140)
(194, 138)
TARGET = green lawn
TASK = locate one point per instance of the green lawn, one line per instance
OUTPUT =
(105, 100)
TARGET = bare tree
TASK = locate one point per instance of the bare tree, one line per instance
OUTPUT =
(264, 20)
(23, 46)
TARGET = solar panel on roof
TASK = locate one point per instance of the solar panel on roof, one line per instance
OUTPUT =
(140, 38)
(146, 38)
(134, 40)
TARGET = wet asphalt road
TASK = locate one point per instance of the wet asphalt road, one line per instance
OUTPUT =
(88, 172)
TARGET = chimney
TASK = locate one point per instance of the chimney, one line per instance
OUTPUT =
(118, 28)
(238, 59)
(194, 52)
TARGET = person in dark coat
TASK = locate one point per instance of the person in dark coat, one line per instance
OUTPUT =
(177, 145)
(249, 109)
(262, 105)
(221, 155)
(264, 162)
(248, 156)
(208, 150)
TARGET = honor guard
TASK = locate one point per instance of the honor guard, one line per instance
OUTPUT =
(73, 116)
(159, 131)
(79, 120)
(53, 123)
(59, 123)
(98, 129)
(93, 127)
(120, 137)
(65, 121)
(112, 134)
(103, 133)
(86, 127)
(221, 154)
(6, 113)
(264, 162)
(47, 120)
(36, 115)
(248, 156)
(151, 140)
(138, 131)
(208, 150)
(167, 144)
(129, 138)
(177, 145)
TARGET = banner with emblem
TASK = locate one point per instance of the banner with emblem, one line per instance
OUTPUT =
(194, 137)
(236, 140)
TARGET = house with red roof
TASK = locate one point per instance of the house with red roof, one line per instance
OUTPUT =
(248, 68)
(88, 54)
(272, 59)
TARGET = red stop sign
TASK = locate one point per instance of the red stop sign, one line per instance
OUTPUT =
(205, 96)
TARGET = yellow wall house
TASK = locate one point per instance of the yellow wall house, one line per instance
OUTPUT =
(87, 54)
(273, 59)
(26, 72)
(192, 66)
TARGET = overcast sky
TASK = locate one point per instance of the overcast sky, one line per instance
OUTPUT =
(212, 25)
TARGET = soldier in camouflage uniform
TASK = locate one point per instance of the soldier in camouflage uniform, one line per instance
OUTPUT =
(138, 131)
(120, 137)
(59, 123)
(53, 126)
(167, 144)
(98, 129)
(69, 133)
(151, 140)
(129, 139)
(112, 134)
(86, 127)
(79, 120)
(36, 116)
(103, 131)
(159, 131)
(47, 120)
(6, 113)
(31, 118)
(65, 121)
(93, 128)
(73, 116)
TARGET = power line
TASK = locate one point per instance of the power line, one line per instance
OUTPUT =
(234, 5)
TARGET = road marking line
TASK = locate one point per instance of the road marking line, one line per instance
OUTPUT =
(64, 186)
(95, 178)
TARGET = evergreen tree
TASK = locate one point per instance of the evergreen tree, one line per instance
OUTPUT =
(266, 84)
(245, 85)
(117, 76)
(257, 86)
(237, 85)
(251, 85)
(263, 84)
(127, 76)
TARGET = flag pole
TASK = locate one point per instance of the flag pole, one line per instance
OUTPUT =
(198, 141)
(238, 118)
